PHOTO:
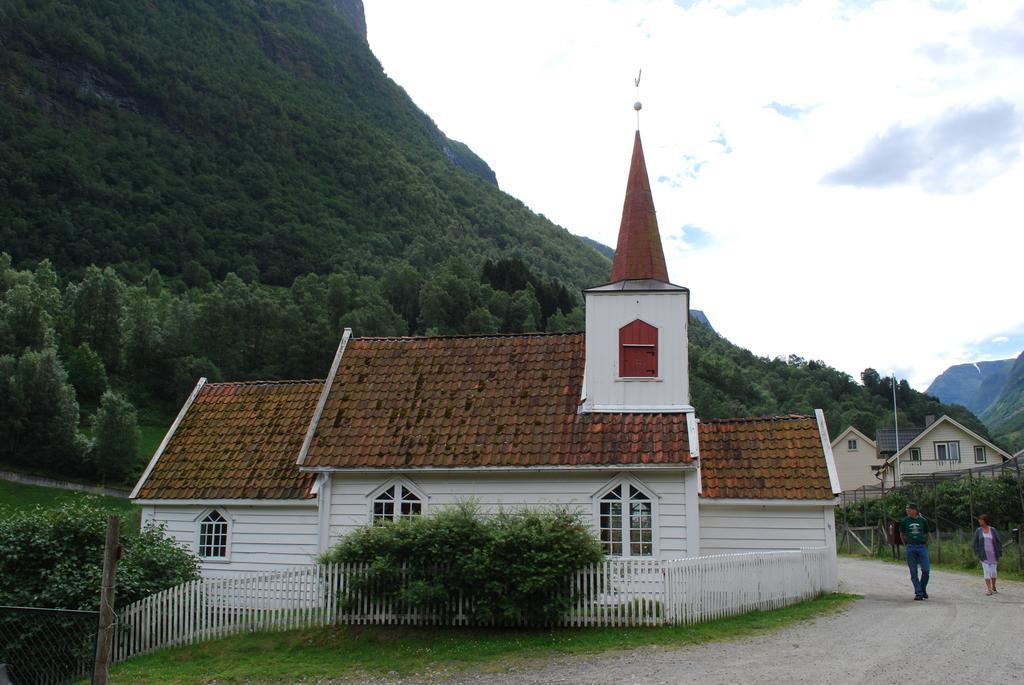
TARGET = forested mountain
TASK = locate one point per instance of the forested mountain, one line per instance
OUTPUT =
(260, 137)
(218, 188)
(1005, 416)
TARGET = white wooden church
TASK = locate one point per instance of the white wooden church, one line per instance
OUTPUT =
(264, 475)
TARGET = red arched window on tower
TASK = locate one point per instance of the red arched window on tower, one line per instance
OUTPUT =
(638, 350)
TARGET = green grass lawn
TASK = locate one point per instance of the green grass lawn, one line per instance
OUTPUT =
(351, 651)
(150, 435)
(16, 496)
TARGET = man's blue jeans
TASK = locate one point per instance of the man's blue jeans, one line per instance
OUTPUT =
(918, 555)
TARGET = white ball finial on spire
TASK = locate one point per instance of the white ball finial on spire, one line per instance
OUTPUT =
(637, 106)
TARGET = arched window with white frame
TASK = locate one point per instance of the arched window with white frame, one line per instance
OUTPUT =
(626, 521)
(395, 502)
(213, 536)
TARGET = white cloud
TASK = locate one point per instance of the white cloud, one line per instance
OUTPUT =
(957, 152)
(889, 275)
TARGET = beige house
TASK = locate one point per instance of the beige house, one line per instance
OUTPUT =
(857, 459)
(943, 448)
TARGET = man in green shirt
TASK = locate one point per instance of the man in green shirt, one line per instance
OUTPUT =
(914, 531)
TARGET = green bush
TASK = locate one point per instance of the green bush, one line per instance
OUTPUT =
(54, 558)
(512, 567)
(948, 504)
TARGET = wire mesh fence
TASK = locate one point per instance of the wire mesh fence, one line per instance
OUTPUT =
(47, 646)
(868, 517)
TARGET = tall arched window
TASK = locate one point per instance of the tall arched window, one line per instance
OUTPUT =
(638, 350)
(627, 522)
(396, 502)
(213, 536)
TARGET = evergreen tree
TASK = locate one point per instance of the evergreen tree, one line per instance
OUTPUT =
(401, 287)
(86, 373)
(480, 320)
(114, 453)
(39, 414)
(94, 313)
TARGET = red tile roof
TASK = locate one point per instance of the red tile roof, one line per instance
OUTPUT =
(638, 251)
(508, 401)
(238, 441)
(478, 401)
(770, 457)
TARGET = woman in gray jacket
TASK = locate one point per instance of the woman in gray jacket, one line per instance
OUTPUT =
(988, 548)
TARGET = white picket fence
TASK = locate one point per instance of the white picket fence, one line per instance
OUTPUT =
(612, 593)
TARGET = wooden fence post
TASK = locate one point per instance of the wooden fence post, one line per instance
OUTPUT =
(105, 632)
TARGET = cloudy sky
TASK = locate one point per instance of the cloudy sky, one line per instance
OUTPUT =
(842, 180)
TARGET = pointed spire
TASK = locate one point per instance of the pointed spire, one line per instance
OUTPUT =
(638, 252)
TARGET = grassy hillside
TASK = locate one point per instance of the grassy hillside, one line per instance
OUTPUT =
(258, 137)
(18, 496)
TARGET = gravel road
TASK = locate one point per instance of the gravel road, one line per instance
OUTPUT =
(959, 635)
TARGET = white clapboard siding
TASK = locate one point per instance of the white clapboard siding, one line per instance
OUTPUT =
(616, 592)
(259, 538)
(728, 529)
(350, 500)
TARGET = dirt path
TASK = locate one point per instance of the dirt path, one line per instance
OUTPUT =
(959, 635)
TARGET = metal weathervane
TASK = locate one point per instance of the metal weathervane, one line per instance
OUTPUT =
(636, 105)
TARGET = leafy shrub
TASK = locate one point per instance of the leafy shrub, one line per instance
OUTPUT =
(512, 567)
(948, 504)
(54, 558)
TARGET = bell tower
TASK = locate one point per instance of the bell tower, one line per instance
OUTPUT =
(636, 336)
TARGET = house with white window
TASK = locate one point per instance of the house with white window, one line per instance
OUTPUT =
(255, 476)
(944, 448)
(857, 459)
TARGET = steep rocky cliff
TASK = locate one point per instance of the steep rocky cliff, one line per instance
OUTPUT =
(354, 14)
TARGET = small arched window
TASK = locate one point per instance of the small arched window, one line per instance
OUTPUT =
(396, 502)
(213, 536)
(627, 522)
(638, 350)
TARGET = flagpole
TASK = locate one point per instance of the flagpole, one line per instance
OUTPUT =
(896, 422)
(895, 418)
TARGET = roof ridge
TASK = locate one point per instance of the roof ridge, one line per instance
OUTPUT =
(277, 382)
(468, 336)
(750, 419)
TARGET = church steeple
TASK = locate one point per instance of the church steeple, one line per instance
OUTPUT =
(636, 339)
(638, 252)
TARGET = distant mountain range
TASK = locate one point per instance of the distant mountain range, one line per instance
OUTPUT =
(994, 390)
(976, 386)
